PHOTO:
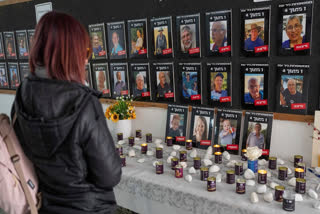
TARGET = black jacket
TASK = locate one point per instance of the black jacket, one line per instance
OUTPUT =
(63, 130)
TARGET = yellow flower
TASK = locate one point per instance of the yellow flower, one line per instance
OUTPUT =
(108, 113)
(133, 116)
(115, 117)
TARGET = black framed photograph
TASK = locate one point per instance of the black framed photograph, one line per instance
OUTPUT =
(295, 24)
(101, 78)
(98, 41)
(254, 86)
(139, 81)
(227, 130)
(88, 81)
(4, 79)
(14, 76)
(254, 36)
(30, 34)
(116, 40)
(189, 41)
(201, 127)
(24, 70)
(163, 85)
(162, 46)
(10, 45)
(138, 38)
(218, 33)
(219, 87)
(190, 82)
(292, 88)
(119, 79)
(177, 120)
(257, 132)
(22, 44)
(2, 51)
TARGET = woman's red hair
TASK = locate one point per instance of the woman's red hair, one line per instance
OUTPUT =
(61, 45)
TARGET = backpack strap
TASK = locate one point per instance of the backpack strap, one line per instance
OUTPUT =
(15, 160)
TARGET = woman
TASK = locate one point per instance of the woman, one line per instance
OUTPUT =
(61, 125)
(201, 130)
(139, 42)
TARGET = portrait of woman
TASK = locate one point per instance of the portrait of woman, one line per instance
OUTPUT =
(294, 31)
(200, 131)
(139, 42)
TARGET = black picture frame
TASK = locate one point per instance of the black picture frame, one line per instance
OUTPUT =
(141, 69)
(188, 27)
(10, 45)
(176, 114)
(204, 116)
(123, 88)
(4, 77)
(101, 69)
(24, 70)
(22, 44)
(116, 33)
(137, 39)
(158, 71)
(162, 46)
(2, 49)
(88, 81)
(224, 71)
(252, 77)
(217, 24)
(250, 121)
(30, 35)
(233, 118)
(299, 101)
(14, 75)
(297, 11)
(256, 20)
(98, 31)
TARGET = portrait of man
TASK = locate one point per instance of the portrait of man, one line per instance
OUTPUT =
(218, 85)
(3, 78)
(218, 35)
(256, 137)
(176, 122)
(163, 80)
(253, 87)
(254, 37)
(22, 47)
(140, 85)
(189, 84)
(96, 44)
(293, 32)
(161, 40)
(119, 84)
(291, 90)
(101, 80)
(14, 77)
(10, 48)
(187, 37)
(115, 42)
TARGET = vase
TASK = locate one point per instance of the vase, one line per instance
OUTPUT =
(122, 126)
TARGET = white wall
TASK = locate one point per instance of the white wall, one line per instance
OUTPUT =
(287, 139)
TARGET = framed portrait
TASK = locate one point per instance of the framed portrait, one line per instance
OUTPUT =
(101, 78)
(119, 79)
(292, 88)
(10, 45)
(177, 120)
(190, 82)
(227, 130)
(219, 86)
(294, 29)
(201, 127)
(14, 75)
(189, 41)
(98, 41)
(139, 81)
(24, 70)
(161, 29)
(257, 132)
(4, 79)
(255, 34)
(30, 34)
(116, 40)
(138, 38)
(218, 33)
(2, 51)
(163, 85)
(254, 86)
(88, 81)
(22, 44)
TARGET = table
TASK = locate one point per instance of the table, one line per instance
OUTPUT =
(143, 191)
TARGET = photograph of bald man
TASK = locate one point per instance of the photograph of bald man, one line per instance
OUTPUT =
(291, 90)
(253, 87)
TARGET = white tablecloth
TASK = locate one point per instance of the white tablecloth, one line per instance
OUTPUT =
(145, 192)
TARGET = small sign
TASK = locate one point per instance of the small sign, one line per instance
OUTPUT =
(42, 9)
